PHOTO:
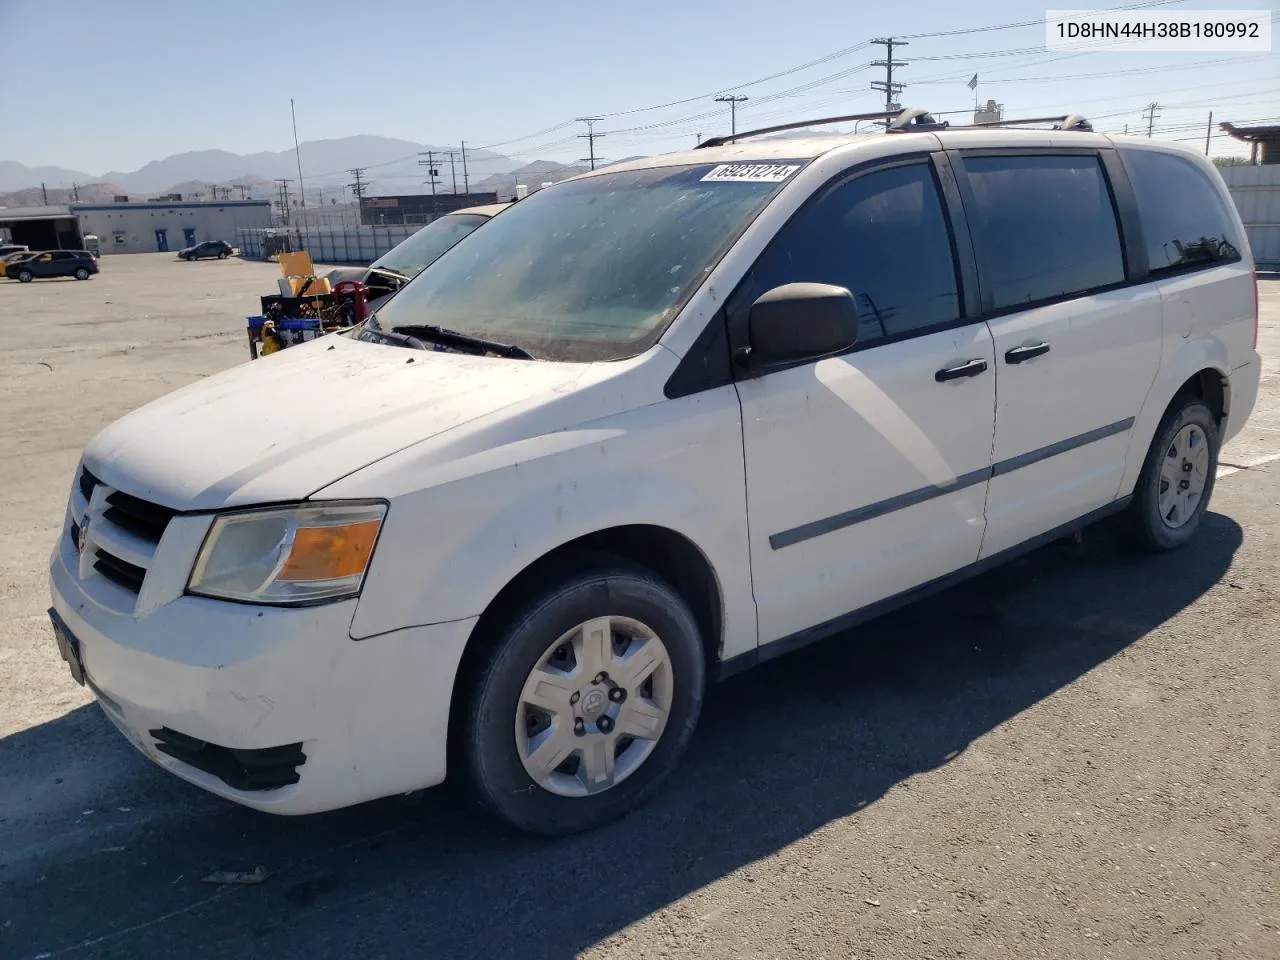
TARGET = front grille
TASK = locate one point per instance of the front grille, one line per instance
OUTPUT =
(87, 482)
(140, 517)
(266, 769)
(119, 571)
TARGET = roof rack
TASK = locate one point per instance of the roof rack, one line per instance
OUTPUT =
(799, 124)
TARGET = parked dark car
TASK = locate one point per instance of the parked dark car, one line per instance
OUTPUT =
(210, 248)
(53, 263)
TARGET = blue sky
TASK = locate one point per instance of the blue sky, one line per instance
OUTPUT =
(110, 86)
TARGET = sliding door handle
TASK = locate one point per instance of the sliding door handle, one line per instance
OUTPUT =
(969, 369)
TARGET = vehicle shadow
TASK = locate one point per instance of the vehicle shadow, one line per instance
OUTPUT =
(810, 738)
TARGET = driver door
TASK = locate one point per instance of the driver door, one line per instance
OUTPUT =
(867, 473)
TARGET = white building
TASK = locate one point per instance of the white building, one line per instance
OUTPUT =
(150, 226)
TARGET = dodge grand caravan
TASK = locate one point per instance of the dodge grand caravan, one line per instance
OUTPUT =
(652, 425)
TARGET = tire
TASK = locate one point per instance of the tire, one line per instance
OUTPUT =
(222, 255)
(499, 726)
(1189, 434)
(25, 276)
(81, 273)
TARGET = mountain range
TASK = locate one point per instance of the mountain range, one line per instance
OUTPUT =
(389, 165)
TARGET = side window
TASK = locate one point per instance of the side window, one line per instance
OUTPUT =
(1184, 219)
(63, 256)
(1044, 227)
(884, 237)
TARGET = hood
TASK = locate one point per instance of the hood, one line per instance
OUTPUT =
(284, 426)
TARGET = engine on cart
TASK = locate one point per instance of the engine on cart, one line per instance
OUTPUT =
(306, 307)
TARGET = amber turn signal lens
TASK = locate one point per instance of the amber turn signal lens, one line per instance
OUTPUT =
(331, 552)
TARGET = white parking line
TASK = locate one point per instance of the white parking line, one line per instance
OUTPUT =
(1228, 470)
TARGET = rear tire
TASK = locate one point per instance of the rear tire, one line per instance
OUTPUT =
(543, 682)
(1177, 479)
(82, 273)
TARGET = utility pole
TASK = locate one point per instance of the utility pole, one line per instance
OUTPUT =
(75, 187)
(1150, 114)
(1126, 129)
(282, 184)
(891, 89)
(432, 173)
(244, 191)
(45, 194)
(591, 137)
(697, 139)
(357, 187)
(1208, 134)
(466, 184)
(732, 100)
(297, 154)
(453, 172)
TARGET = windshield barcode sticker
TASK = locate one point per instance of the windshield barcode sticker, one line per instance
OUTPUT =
(751, 172)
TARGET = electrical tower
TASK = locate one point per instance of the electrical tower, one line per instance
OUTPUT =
(732, 100)
(282, 192)
(1150, 114)
(591, 137)
(887, 85)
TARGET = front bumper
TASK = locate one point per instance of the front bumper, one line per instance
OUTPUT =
(371, 715)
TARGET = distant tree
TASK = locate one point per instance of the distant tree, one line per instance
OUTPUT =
(1230, 162)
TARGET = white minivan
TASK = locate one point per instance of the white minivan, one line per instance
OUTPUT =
(650, 426)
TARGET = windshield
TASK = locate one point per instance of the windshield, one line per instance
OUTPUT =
(591, 269)
(412, 256)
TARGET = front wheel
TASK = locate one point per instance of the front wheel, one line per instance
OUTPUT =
(222, 255)
(25, 276)
(1177, 478)
(585, 702)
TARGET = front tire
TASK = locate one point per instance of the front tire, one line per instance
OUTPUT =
(25, 276)
(1177, 479)
(222, 255)
(585, 701)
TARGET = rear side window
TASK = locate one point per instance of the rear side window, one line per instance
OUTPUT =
(1045, 227)
(1184, 219)
(884, 237)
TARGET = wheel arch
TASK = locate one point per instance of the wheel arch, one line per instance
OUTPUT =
(1199, 370)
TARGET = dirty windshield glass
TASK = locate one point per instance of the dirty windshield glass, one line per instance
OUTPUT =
(592, 269)
(425, 246)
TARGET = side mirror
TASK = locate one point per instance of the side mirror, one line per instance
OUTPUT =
(797, 322)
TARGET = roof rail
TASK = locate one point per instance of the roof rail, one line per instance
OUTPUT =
(1070, 121)
(800, 124)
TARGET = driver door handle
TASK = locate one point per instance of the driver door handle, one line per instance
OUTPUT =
(970, 368)
(1028, 352)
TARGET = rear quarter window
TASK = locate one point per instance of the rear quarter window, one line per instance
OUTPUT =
(1185, 221)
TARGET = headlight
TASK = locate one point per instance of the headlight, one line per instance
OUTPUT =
(303, 554)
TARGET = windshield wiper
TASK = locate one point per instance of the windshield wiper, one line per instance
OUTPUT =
(453, 338)
(391, 273)
(373, 331)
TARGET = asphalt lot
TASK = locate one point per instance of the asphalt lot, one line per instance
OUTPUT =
(1075, 756)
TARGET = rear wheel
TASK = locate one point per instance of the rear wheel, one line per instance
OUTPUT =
(585, 702)
(25, 276)
(1177, 478)
(82, 273)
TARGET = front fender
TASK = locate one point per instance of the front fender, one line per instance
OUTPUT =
(448, 548)
(1186, 358)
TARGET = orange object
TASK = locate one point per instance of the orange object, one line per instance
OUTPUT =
(331, 552)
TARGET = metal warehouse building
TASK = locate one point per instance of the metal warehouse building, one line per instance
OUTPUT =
(149, 226)
(41, 228)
